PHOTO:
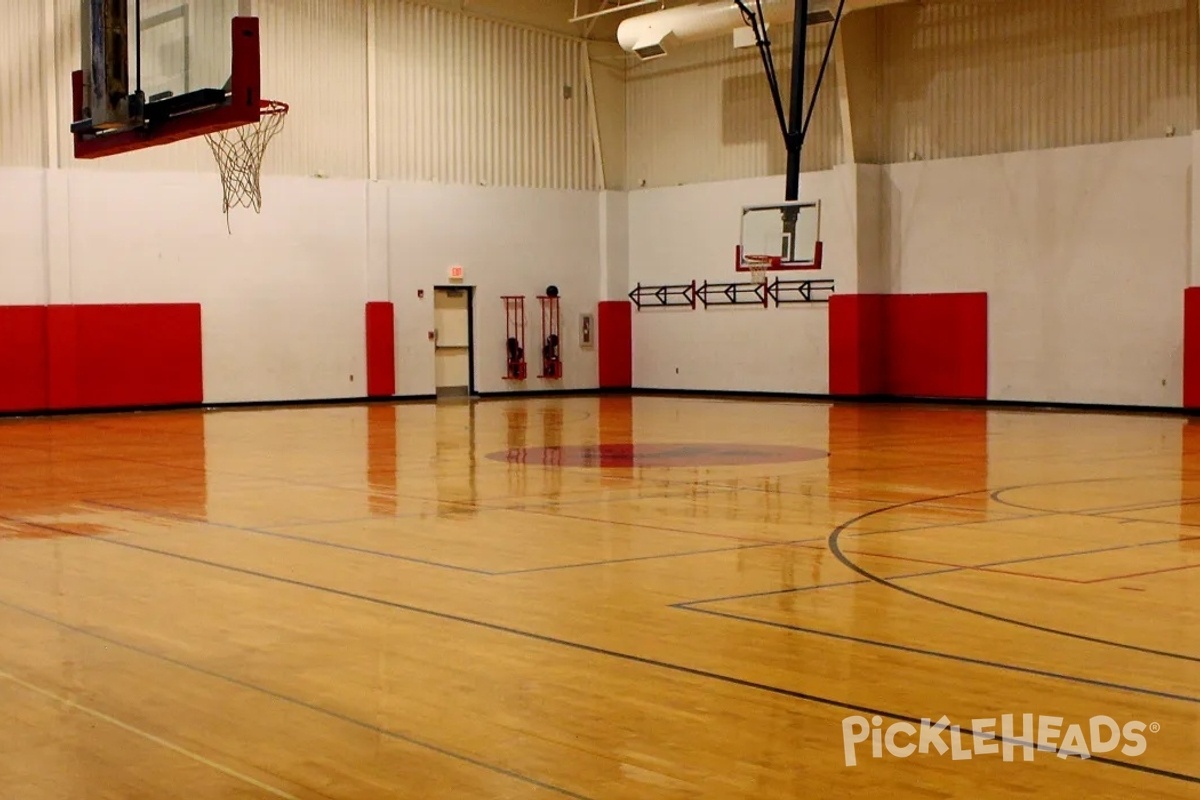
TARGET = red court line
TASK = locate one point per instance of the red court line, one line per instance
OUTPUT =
(1141, 574)
(894, 557)
(1035, 576)
(965, 566)
(625, 523)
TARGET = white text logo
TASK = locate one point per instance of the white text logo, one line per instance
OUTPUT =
(983, 737)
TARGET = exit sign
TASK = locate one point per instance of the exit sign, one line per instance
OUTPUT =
(456, 273)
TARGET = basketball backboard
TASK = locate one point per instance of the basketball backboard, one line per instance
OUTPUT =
(786, 236)
(157, 71)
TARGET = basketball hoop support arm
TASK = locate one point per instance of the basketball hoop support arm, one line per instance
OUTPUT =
(795, 127)
(795, 132)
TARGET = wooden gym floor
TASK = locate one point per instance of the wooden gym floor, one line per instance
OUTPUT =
(487, 600)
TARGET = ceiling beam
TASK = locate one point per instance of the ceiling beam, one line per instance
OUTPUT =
(607, 8)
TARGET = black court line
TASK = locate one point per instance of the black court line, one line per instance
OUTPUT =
(629, 657)
(929, 573)
(389, 733)
(997, 496)
(939, 654)
(612, 561)
(1126, 520)
(644, 526)
(163, 515)
(413, 559)
(953, 525)
(835, 548)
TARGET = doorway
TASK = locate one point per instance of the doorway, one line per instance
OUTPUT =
(454, 355)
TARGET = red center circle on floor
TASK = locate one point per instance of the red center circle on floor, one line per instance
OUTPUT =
(687, 454)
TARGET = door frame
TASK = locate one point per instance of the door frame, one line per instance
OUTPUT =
(470, 290)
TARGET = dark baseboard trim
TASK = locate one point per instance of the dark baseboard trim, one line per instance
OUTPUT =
(1016, 405)
(533, 393)
(245, 405)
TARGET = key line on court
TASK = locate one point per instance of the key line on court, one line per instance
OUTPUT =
(992, 568)
(998, 496)
(758, 544)
(835, 548)
(950, 525)
(956, 567)
(593, 649)
(150, 737)
(546, 505)
(420, 561)
(650, 527)
(930, 573)
(940, 654)
(288, 537)
(686, 554)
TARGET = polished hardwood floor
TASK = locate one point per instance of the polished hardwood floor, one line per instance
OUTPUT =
(626, 598)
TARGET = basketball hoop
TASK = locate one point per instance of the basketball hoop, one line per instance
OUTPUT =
(239, 153)
(757, 266)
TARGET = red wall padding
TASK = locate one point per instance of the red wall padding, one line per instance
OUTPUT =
(937, 345)
(1191, 347)
(381, 350)
(614, 334)
(856, 340)
(67, 357)
(23, 358)
(909, 345)
(112, 356)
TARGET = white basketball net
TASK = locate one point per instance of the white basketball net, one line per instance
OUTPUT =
(239, 153)
(758, 268)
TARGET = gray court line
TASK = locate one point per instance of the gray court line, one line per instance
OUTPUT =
(927, 573)
(327, 712)
(950, 525)
(736, 548)
(835, 548)
(997, 496)
(142, 733)
(413, 559)
(285, 536)
(644, 526)
(938, 654)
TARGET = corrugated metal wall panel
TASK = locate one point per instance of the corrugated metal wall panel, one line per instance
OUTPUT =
(315, 59)
(466, 100)
(705, 113)
(22, 86)
(66, 57)
(968, 77)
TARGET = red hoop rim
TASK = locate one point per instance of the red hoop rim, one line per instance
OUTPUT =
(269, 107)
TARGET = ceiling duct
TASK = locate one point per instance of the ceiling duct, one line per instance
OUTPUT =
(649, 34)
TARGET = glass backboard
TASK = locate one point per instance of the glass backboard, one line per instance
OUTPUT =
(782, 236)
(185, 45)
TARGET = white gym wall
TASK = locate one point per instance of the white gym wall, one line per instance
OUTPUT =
(1058, 127)
(449, 114)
